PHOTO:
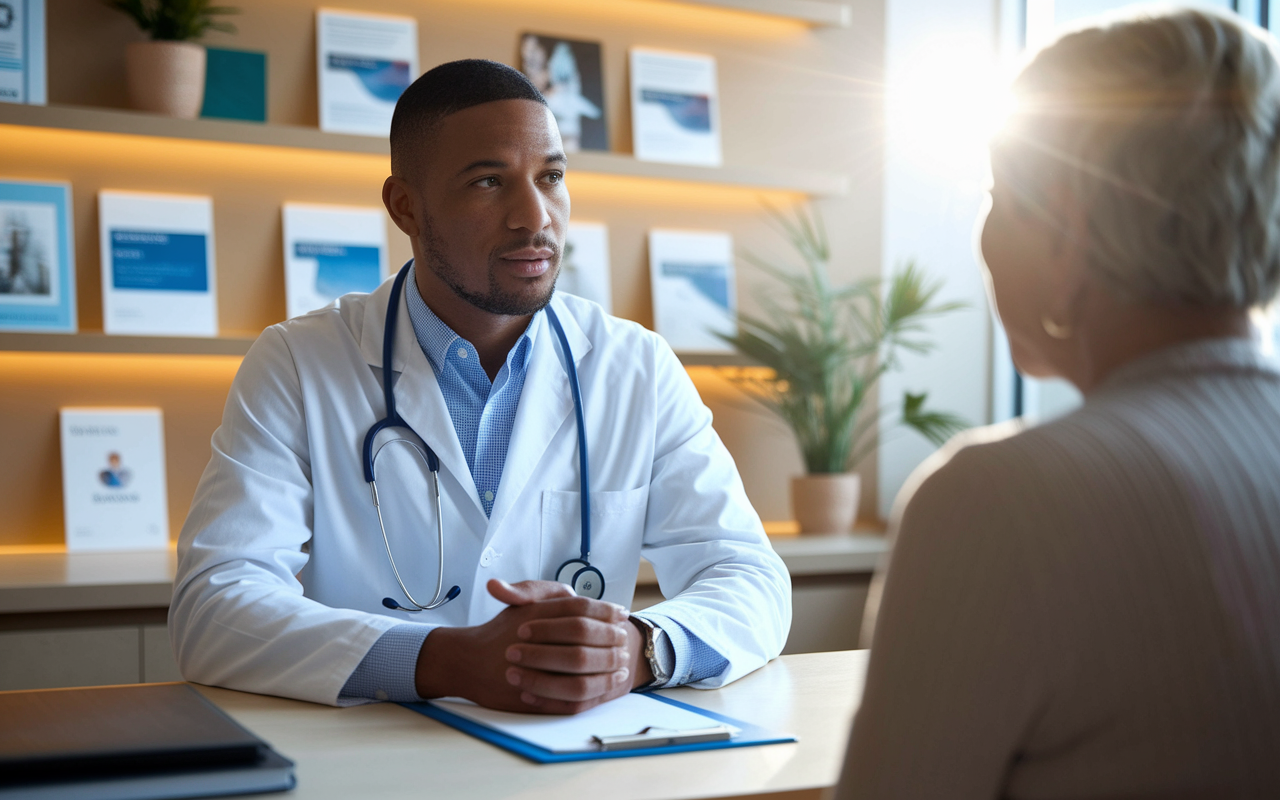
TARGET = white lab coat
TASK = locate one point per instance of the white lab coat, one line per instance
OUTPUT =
(282, 568)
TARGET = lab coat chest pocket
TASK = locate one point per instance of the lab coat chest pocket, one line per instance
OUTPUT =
(617, 531)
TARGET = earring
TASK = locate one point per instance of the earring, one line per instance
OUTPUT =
(1054, 329)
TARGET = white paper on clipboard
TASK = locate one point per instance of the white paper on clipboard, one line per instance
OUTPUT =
(626, 715)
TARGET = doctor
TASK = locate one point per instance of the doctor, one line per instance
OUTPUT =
(448, 574)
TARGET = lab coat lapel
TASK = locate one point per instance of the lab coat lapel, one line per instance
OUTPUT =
(418, 396)
(546, 405)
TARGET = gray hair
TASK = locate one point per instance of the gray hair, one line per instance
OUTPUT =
(1165, 126)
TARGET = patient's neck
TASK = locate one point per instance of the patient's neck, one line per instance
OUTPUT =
(1118, 333)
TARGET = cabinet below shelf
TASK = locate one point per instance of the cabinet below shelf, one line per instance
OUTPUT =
(295, 137)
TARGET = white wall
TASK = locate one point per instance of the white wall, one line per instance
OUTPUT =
(941, 64)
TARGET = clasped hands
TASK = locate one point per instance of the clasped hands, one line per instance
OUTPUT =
(548, 652)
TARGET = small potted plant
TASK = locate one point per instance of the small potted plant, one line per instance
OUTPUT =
(166, 74)
(825, 349)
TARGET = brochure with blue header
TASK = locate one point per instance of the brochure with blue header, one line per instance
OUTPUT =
(330, 251)
(158, 274)
(37, 258)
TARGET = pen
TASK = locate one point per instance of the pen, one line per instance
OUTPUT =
(663, 737)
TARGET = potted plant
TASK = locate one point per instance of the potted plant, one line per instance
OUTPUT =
(166, 74)
(825, 348)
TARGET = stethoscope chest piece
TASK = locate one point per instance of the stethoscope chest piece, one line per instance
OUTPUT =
(584, 579)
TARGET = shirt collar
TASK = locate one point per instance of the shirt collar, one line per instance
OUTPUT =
(1203, 355)
(436, 338)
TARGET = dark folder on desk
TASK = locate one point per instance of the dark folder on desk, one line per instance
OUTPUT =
(585, 737)
(150, 741)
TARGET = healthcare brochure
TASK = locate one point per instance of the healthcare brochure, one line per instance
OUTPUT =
(37, 258)
(694, 295)
(330, 251)
(365, 62)
(675, 113)
(157, 264)
(22, 52)
(567, 72)
(113, 480)
(584, 264)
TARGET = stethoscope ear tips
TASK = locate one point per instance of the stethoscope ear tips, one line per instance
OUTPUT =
(389, 603)
(454, 592)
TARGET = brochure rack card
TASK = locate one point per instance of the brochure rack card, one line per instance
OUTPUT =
(365, 61)
(23, 64)
(158, 274)
(113, 479)
(330, 251)
(694, 292)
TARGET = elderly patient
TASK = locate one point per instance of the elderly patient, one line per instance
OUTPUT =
(1091, 608)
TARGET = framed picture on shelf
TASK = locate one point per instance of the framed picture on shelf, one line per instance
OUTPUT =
(37, 258)
(568, 73)
(694, 292)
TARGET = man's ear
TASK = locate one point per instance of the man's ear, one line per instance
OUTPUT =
(400, 202)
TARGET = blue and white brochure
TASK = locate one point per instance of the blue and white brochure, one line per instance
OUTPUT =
(158, 276)
(37, 258)
(694, 293)
(365, 62)
(330, 251)
(114, 491)
(584, 263)
(23, 68)
(675, 107)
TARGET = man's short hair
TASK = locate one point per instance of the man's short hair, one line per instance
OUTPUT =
(445, 90)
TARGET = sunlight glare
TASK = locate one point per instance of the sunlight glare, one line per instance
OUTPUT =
(944, 109)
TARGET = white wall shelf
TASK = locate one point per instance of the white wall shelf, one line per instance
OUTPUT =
(813, 12)
(97, 342)
(124, 345)
(132, 123)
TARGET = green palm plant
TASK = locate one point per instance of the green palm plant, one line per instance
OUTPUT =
(176, 20)
(826, 348)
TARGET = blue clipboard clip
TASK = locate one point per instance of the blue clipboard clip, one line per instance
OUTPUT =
(663, 737)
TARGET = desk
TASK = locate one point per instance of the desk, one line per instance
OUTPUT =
(383, 751)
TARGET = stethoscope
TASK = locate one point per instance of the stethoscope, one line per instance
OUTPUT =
(585, 579)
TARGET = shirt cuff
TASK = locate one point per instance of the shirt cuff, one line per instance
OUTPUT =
(389, 669)
(681, 654)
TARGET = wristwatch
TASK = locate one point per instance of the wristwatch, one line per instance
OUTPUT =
(652, 641)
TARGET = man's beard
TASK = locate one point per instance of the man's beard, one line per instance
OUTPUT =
(495, 300)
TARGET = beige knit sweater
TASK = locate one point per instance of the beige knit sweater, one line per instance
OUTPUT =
(1090, 608)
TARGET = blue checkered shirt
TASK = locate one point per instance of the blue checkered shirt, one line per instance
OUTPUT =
(483, 414)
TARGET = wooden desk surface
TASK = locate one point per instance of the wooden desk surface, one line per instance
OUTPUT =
(383, 751)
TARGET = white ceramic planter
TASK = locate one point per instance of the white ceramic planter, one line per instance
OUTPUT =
(826, 503)
(166, 77)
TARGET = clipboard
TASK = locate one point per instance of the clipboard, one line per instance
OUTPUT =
(706, 737)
